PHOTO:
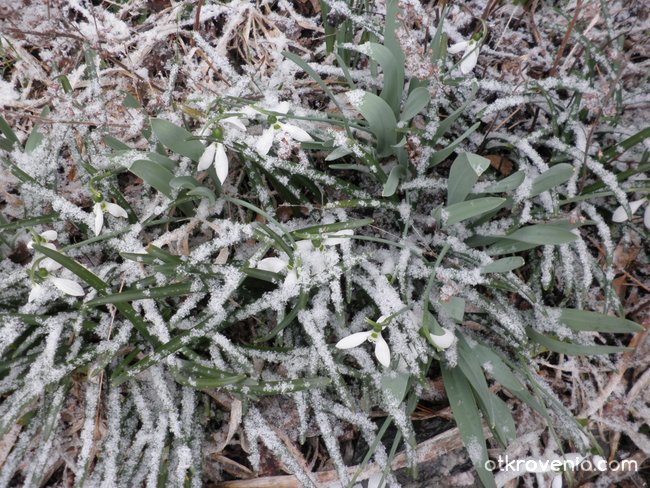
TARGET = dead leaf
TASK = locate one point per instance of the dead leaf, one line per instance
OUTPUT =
(502, 164)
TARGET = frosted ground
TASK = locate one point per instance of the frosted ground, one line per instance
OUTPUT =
(335, 243)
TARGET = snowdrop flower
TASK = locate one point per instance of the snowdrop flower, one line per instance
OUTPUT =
(69, 287)
(620, 215)
(274, 265)
(382, 351)
(470, 50)
(112, 208)
(334, 241)
(265, 142)
(45, 239)
(443, 341)
(215, 154)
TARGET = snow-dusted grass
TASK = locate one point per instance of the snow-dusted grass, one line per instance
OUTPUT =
(305, 216)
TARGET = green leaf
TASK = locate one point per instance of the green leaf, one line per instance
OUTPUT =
(415, 103)
(507, 184)
(173, 290)
(464, 174)
(203, 192)
(455, 308)
(496, 412)
(187, 182)
(571, 349)
(443, 154)
(471, 208)
(543, 234)
(468, 420)
(558, 174)
(393, 75)
(115, 144)
(10, 138)
(153, 174)
(35, 137)
(337, 153)
(395, 175)
(503, 265)
(177, 139)
(381, 121)
(583, 320)
(395, 384)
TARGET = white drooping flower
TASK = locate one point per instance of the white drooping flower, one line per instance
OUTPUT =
(444, 340)
(620, 215)
(382, 351)
(470, 50)
(45, 239)
(112, 208)
(269, 135)
(273, 265)
(215, 154)
(69, 287)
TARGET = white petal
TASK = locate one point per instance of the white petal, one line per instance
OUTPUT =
(49, 264)
(458, 47)
(333, 241)
(35, 293)
(445, 340)
(49, 245)
(68, 287)
(207, 158)
(281, 108)
(382, 351)
(381, 319)
(620, 215)
(291, 280)
(235, 122)
(49, 235)
(353, 340)
(30, 244)
(470, 58)
(115, 210)
(221, 163)
(646, 217)
(557, 481)
(99, 218)
(274, 265)
(265, 142)
(296, 132)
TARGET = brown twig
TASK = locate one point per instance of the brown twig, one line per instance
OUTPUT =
(565, 39)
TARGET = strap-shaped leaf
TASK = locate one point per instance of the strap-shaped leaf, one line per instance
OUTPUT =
(393, 75)
(471, 208)
(153, 174)
(177, 139)
(583, 320)
(380, 117)
(464, 173)
(558, 174)
(507, 184)
(569, 348)
(468, 420)
(415, 103)
(503, 265)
